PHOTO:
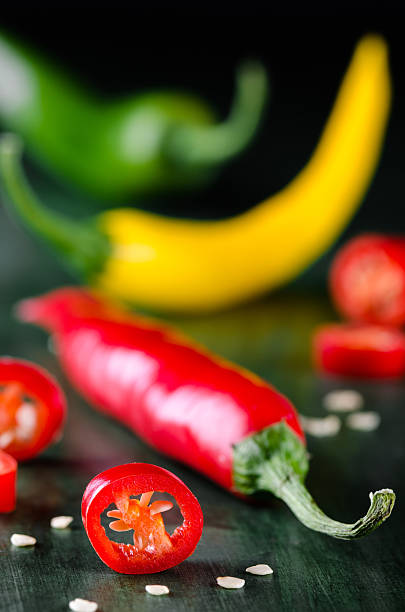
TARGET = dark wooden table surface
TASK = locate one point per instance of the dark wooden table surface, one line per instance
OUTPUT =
(311, 571)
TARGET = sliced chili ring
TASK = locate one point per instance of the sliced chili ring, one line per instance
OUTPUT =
(32, 408)
(367, 351)
(367, 279)
(153, 549)
(8, 476)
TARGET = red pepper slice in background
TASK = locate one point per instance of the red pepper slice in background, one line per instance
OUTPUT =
(192, 405)
(366, 351)
(367, 279)
(8, 475)
(32, 408)
(153, 549)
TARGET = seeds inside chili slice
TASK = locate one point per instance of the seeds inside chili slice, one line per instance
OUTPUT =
(21, 417)
(122, 496)
(144, 519)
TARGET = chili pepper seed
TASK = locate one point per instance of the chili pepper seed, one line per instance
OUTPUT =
(343, 400)
(157, 589)
(83, 605)
(260, 570)
(61, 522)
(320, 428)
(229, 582)
(19, 539)
(364, 421)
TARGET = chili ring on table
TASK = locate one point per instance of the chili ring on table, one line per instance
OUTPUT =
(32, 408)
(153, 549)
(355, 350)
(189, 403)
(367, 279)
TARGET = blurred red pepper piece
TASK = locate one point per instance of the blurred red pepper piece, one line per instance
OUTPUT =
(32, 408)
(8, 475)
(367, 351)
(367, 279)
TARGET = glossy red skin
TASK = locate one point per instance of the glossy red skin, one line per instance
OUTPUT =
(8, 476)
(337, 350)
(367, 279)
(138, 478)
(181, 399)
(40, 384)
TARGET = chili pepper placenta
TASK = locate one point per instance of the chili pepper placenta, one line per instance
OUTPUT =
(8, 474)
(153, 549)
(149, 142)
(367, 279)
(368, 351)
(183, 265)
(32, 408)
(195, 407)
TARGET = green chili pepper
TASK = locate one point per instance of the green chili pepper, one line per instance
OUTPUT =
(150, 142)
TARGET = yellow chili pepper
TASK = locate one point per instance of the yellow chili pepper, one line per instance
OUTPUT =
(190, 265)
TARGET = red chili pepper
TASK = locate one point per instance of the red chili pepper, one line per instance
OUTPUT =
(369, 351)
(32, 408)
(367, 279)
(8, 475)
(198, 408)
(153, 549)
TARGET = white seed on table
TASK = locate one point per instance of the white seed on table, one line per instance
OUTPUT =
(364, 421)
(83, 605)
(229, 582)
(260, 570)
(343, 400)
(157, 589)
(19, 539)
(61, 522)
(323, 427)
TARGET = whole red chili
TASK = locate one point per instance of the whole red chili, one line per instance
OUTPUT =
(367, 279)
(367, 351)
(188, 403)
(32, 408)
(8, 475)
(152, 549)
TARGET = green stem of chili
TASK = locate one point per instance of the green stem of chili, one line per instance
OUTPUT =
(275, 460)
(80, 243)
(294, 493)
(210, 145)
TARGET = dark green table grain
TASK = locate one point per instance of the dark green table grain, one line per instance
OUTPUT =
(311, 571)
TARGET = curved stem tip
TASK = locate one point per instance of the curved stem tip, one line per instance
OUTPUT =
(276, 460)
(214, 144)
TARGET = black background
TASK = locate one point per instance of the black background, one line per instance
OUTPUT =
(120, 49)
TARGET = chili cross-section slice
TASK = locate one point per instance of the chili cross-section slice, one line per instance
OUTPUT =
(367, 279)
(153, 548)
(32, 408)
(365, 351)
(8, 475)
